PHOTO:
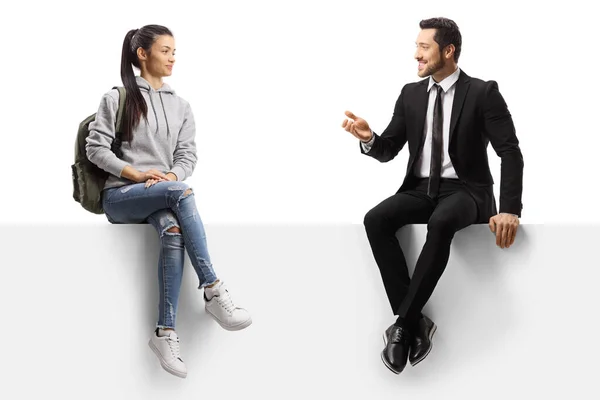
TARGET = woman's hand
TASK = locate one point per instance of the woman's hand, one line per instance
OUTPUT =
(168, 177)
(151, 182)
(150, 174)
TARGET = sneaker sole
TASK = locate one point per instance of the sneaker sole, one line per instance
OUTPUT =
(237, 327)
(433, 329)
(165, 366)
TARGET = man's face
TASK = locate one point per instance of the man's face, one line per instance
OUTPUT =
(428, 54)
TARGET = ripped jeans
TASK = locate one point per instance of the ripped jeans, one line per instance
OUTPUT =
(165, 205)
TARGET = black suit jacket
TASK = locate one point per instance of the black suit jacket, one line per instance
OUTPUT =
(479, 116)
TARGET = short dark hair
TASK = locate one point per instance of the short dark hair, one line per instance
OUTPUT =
(446, 33)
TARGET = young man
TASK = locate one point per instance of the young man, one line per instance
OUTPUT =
(448, 120)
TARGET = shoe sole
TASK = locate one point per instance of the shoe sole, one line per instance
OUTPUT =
(237, 327)
(165, 366)
(433, 329)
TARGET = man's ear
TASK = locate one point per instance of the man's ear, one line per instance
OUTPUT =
(449, 51)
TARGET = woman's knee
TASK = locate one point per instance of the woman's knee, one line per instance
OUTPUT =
(165, 222)
(176, 191)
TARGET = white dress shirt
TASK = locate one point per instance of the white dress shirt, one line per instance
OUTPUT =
(423, 162)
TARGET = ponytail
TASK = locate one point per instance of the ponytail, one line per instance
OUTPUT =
(135, 105)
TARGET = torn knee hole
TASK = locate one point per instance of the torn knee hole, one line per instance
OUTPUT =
(170, 231)
(187, 192)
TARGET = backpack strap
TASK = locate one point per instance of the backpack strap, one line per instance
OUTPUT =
(116, 145)
(121, 109)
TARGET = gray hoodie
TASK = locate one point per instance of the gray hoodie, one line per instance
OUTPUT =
(165, 142)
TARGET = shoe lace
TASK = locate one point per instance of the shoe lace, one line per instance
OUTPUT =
(174, 346)
(398, 334)
(225, 301)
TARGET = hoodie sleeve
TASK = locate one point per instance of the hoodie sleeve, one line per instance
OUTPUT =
(184, 156)
(102, 134)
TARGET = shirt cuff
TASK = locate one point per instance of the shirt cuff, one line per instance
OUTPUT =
(366, 146)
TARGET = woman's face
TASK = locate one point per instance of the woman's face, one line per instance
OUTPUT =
(159, 61)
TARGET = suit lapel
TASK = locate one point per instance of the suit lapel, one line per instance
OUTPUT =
(462, 87)
(421, 100)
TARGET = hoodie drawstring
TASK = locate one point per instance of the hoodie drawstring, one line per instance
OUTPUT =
(153, 109)
(165, 113)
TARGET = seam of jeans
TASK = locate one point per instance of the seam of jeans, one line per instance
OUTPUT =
(195, 258)
(165, 289)
(168, 315)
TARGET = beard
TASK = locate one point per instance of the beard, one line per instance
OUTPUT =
(432, 68)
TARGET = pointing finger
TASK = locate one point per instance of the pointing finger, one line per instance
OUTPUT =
(351, 115)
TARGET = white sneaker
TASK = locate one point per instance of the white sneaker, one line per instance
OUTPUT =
(166, 349)
(222, 309)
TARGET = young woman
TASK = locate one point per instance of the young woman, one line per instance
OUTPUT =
(146, 182)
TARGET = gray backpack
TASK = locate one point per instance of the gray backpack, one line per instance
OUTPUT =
(89, 179)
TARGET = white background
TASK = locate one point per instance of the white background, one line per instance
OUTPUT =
(269, 82)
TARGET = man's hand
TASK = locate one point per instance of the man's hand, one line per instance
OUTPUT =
(359, 127)
(505, 227)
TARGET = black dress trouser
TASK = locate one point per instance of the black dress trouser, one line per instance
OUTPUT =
(452, 210)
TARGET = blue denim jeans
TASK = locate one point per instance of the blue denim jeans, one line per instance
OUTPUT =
(165, 205)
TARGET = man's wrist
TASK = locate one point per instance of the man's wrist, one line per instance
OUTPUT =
(369, 139)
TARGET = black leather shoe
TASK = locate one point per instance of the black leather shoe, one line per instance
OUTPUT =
(397, 345)
(421, 342)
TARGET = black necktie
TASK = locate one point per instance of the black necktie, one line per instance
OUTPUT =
(436, 145)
